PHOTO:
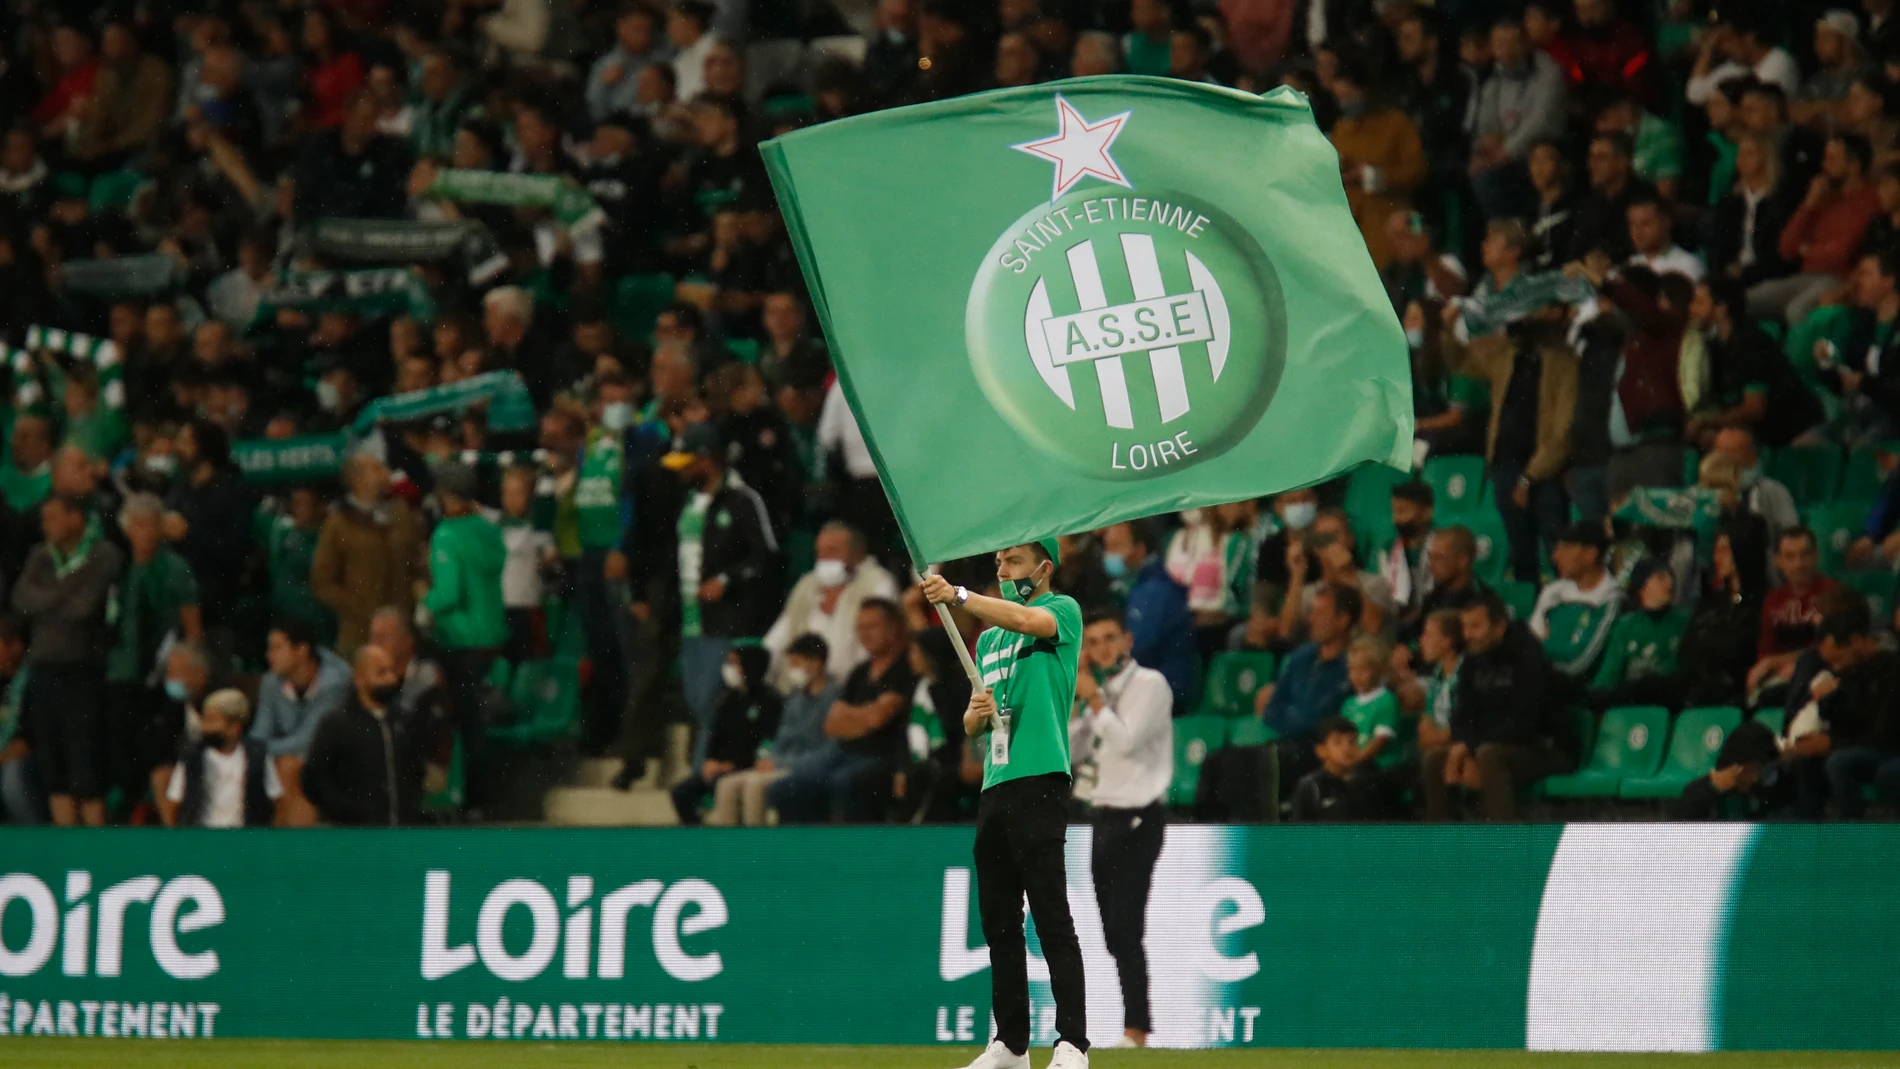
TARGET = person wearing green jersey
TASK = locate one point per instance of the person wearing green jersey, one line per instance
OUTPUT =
(466, 555)
(26, 477)
(1028, 657)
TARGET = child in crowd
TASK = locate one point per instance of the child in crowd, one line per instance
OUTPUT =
(530, 553)
(1374, 711)
(224, 779)
(1332, 793)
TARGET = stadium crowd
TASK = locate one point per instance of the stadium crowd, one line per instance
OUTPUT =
(405, 392)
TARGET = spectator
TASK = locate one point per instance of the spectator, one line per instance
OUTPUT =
(1575, 613)
(1211, 556)
(157, 605)
(1824, 233)
(440, 105)
(825, 601)
(422, 679)
(26, 476)
(851, 781)
(1500, 740)
(1313, 683)
(759, 441)
(1415, 271)
(1609, 54)
(332, 72)
(1450, 558)
(209, 521)
(531, 555)
(1744, 237)
(1719, 647)
(352, 171)
(798, 743)
(64, 594)
(1842, 733)
(1425, 692)
(1748, 782)
(1159, 625)
(1602, 217)
(367, 553)
(1404, 565)
(1641, 664)
(1327, 556)
(1839, 60)
(290, 548)
(1520, 103)
(729, 565)
(1333, 792)
(1533, 378)
(1761, 495)
(592, 480)
(1747, 369)
(1789, 613)
(1385, 755)
(128, 104)
(1148, 45)
(689, 36)
(1655, 143)
(1764, 113)
(21, 800)
(1651, 243)
(305, 684)
(747, 717)
(366, 759)
(1380, 157)
(790, 354)
(1553, 216)
(1858, 372)
(56, 117)
(1744, 49)
(466, 556)
(613, 82)
(224, 779)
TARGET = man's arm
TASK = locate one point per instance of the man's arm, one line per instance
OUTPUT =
(849, 722)
(1022, 619)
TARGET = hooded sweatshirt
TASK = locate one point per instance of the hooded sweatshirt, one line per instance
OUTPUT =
(466, 555)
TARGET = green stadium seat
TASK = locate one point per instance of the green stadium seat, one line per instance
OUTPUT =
(1835, 527)
(1194, 738)
(1629, 743)
(638, 302)
(1520, 598)
(546, 696)
(1811, 473)
(1458, 485)
(1249, 731)
(1863, 478)
(1369, 503)
(1878, 584)
(1233, 680)
(1775, 720)
(1698, 736)
(1494, 549)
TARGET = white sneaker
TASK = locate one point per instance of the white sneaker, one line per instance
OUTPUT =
(997, 1056)
(1067, 1057)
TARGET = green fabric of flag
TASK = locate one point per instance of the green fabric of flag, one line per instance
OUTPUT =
(558, 194)
(1061, 306)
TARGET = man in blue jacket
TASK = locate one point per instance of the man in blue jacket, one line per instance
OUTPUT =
(1158, 620)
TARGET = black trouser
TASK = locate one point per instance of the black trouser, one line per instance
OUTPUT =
(1020, 827)
(1127, 845)
(465, 673)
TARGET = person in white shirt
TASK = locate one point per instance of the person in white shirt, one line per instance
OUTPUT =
(861, 501)
(825, 601)
(688, 30)
(225, 779)
(1655, 247)
(1121, 737)
(1743, 49)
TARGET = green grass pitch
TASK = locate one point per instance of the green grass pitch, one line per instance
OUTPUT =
(278, 1054)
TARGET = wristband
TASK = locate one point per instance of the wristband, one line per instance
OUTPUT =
(963, 595)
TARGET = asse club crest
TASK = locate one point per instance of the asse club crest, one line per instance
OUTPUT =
(1125, 332)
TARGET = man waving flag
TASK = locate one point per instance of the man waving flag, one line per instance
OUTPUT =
(1055, 308)
(1058, 307)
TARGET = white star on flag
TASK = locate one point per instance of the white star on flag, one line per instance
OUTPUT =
(1080, 148)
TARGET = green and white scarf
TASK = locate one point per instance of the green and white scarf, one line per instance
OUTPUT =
(65, 564)
(285, 460)
(368, 292)
(556, 193)
(36, 379)
(1489, 312)
(1689, 509)
(510, 408)
(124, 276)
(397, 241)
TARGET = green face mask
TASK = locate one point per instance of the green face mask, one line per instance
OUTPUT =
(1019, 590)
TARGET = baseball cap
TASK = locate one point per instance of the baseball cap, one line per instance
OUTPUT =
(1841, 22)
(697, 440)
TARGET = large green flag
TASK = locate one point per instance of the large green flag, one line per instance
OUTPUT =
(1057, 307)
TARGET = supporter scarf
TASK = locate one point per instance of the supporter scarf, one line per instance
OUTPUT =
(510, 408)
(65, 564)
(124, 276)
(402, 241)
(367, 292)
(555, 193)
(281, 460)
(36, 379)
(1693, 508)
(1492, 312)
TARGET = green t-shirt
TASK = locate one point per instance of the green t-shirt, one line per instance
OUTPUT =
(1377, 714)
(1033, 680)
(1578, 633)
(925, 731)
(598, 519)
(1642, 645)
(150, 596)
(1469, 392)
(692, 528)
(292, 550)
(24, 489)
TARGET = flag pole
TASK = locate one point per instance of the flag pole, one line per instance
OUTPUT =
(956, 637)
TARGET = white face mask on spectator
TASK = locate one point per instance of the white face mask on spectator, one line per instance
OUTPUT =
(733, 677)
(797, 677)
(831, 573)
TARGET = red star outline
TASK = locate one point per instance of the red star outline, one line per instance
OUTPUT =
(1073, 166)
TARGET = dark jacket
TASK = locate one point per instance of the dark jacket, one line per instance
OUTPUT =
(1748, 360)
(1862, 712)
(365, 770)
(738, 546)
(259, 810)
(1881, 386)
(1650, 386)
(762, 452)
(67, 614)
(1602, 222)
(1310, 690)
(745, 719)
(1503, 694)
(1725, 236)
(1553, 229)
(1323, 798)
(369, 185)
(1162, 630)
(217, 538)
